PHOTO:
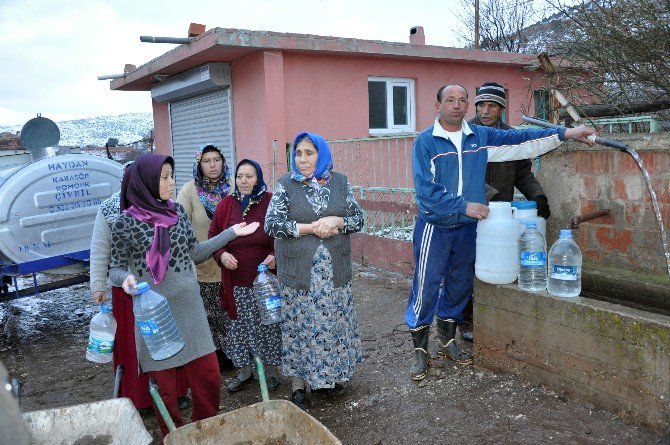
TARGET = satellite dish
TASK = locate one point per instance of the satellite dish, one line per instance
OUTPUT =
(38, 133)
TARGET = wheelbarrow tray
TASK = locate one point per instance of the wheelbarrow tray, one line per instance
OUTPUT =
(114, 421)
(277, 422)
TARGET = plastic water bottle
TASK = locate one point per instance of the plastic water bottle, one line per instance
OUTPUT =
(101, 336)
(496, 254)
(266, 288)
(527, 211)
(154, 318)
(532, 259)
(565, 267)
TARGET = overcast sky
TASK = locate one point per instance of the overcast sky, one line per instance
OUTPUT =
(52, 51)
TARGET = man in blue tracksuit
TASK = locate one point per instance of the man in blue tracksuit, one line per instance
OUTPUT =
(449, 165)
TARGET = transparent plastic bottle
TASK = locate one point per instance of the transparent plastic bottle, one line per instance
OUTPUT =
(154, 318)
(101, 336)
(565, 267)
(532, 259)
(266, 289)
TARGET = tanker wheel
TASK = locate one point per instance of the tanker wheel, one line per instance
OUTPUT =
(4, 289)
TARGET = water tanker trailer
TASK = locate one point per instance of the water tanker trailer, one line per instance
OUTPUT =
(48, 204)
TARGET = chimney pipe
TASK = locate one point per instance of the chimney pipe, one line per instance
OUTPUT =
(176, 40)
(111, 76)
(416, 36)
(195, 29)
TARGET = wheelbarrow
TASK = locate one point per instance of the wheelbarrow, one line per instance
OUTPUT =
(107, 422)
(114, 421)
(270, 421)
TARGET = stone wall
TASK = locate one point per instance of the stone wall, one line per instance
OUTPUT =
(609, 355)
(579, 180)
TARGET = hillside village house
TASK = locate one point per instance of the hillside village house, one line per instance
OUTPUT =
(247, 89)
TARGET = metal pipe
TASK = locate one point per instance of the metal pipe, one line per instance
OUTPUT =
(598, 139)
(111, 76)
(577, 220)
(162, 409)
(265, 396)
(16, 390)
(177, 40)
(117, 381)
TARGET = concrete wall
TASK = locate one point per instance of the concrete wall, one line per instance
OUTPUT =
(329, 94)
(278, 94)
(614, 357)
(580, 180)
(385, 253)
(162, 137)
(250, 100)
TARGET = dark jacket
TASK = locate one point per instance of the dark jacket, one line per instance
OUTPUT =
(502, 177)
(436, 167)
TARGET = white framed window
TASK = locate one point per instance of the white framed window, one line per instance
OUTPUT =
(391, 105)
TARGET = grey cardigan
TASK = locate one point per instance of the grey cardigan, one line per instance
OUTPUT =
(131, 240)
(294, 255)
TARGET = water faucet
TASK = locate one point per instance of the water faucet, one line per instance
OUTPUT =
(577, 220)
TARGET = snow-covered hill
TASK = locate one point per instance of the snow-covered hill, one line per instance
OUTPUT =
(126, 128)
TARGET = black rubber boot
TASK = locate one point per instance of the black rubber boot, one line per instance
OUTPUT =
(419, 369)
(465, 327)
(447, 347)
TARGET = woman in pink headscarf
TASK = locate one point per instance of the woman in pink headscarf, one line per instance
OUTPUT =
(153, 241)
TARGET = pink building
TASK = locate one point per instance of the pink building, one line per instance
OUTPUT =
(244, 90)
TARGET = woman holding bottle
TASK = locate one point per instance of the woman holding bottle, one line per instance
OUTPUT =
(154, 241)
(246, 336)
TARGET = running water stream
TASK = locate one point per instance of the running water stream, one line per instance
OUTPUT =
(625, 148)
(654, 201)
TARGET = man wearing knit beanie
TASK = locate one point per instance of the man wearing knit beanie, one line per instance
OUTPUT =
(449, 167)
(502, 177)
(491, 92)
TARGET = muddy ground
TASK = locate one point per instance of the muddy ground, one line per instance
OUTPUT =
(43, 343)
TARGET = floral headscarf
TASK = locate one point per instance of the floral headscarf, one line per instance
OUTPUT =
(324, 162)
(210, 192)
(256, 194)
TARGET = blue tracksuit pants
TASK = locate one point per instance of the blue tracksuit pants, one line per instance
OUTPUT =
(441, 255)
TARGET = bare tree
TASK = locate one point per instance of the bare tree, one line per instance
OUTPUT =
(625, 46)
(503, 24)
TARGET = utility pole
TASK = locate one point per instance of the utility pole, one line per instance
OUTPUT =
(476, 24)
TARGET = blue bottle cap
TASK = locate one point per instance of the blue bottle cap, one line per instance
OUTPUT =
(142, 287)
(262, 267)
(565, 233)
(524, 205)
(531, 225)
(105, 308)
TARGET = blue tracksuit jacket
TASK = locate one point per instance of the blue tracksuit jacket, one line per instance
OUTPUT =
(435, 164)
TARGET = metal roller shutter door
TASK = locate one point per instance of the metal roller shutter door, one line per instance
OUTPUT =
(198, 120)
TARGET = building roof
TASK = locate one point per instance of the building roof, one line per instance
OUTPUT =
(226, 45)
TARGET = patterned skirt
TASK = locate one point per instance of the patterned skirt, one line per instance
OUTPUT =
(247, 337)
(321, 341)
(215, 314)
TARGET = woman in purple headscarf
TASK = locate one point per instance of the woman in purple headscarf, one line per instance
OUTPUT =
(153, 241)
